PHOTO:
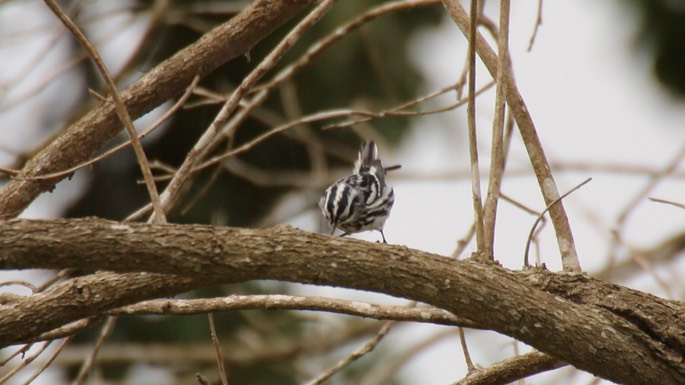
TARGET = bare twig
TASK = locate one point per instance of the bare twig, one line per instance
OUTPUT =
(291, 302)
(463, 242)
(24, 362)
(672, 203)
(170, 194)
(537, 214)
(498, 150)
(539, 218)
(512, 369)
(538, 23)
(120, 107)
(49, 361)
(217, 350)
(28, 285)
(381, 374)
(359, 352)
(259, 349)
(401, 110)
(202, 379)
(324, 115)
(465, 349)
(69, 329)
(179, 103)
(473, 137)
(88, 363)
(339, 33)
(629, 208)
(8, 171)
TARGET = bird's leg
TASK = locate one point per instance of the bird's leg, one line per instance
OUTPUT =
(383, 235)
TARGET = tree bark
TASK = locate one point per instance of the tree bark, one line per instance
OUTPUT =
(608, 330)
(84, 138)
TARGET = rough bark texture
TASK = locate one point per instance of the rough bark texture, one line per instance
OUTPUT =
(83, 139)
(611, 331)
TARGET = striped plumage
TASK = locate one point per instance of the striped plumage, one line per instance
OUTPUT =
(362, 201)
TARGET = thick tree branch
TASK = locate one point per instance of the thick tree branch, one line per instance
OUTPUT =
(608, 330)
(84, 138)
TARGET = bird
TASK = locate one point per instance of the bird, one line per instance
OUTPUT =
(361, 201)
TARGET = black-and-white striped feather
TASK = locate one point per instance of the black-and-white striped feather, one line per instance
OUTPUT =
(362, 201)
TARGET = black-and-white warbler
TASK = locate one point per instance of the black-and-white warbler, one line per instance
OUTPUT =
(362, 201)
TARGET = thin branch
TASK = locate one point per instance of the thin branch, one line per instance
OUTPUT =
(202, 379)
(536, 154)
(629, 208)
(324, 115)
(21, 351)
(538, 23)
(316, 48)
(381, 374)
(217, 350)
(463, 242)
(672, 203)
(122, 112)
(359, 352)
(88, 363)
(539, 218)
(49, 361)
(465, 350)
(498, 150)
(170, 194)
(331, 114)
(401, 110)
(69, 329)
(259, 349)
(473, 137)
(291, 302)
(512, 369)
(179, 103)
(28, 285)
(25, 362)
(537, 214)
(9, 171)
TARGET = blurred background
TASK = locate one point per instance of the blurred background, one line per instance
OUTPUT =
(603, 81)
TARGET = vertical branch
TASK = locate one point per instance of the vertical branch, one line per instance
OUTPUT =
(497, 155)
(543, 173)
(90, 361)
(217, 349)
(121, 110)
(462, 338)
(473, 137)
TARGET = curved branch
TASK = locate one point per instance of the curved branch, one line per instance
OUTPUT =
(84, 138)
(611, 331)
(293, 302)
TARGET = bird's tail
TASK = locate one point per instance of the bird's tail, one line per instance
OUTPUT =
(368, 153)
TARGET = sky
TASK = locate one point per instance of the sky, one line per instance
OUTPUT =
(594, 101)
